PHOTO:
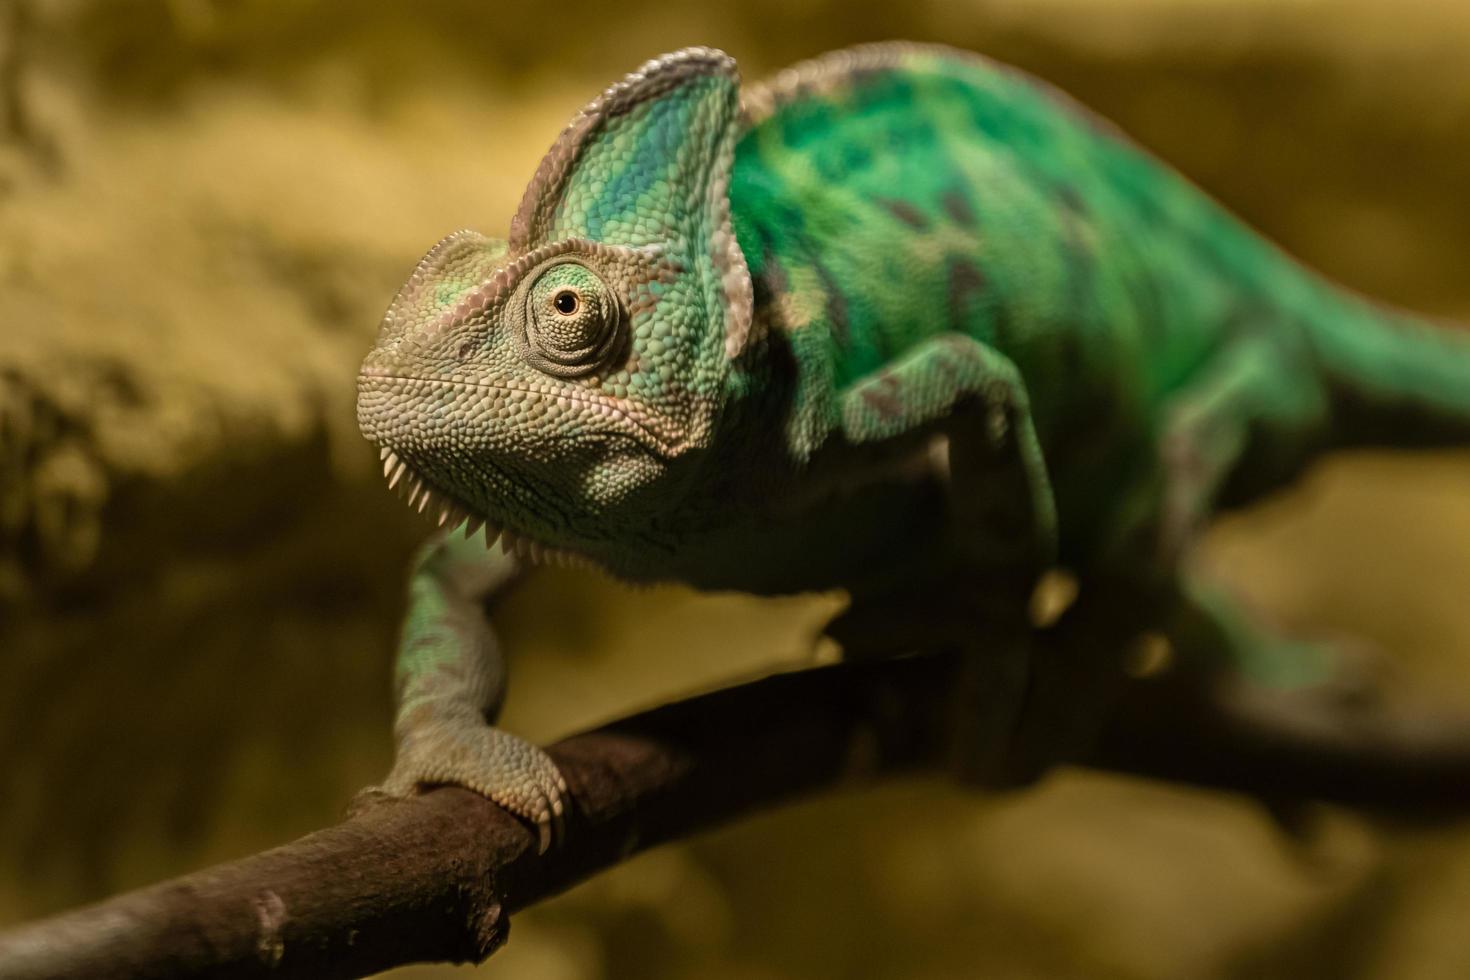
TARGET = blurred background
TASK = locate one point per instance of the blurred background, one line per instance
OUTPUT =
(205, 205)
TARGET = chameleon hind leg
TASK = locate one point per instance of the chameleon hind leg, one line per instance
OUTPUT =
(1108, 640)
(1244, 427)
(1004, 526)
(1215, 633)
(450, 683)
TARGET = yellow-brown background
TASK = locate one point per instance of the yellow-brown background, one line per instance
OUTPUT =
(204, 207)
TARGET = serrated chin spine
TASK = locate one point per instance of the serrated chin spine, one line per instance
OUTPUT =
(449, 513)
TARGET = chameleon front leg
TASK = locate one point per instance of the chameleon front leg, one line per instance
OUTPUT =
(1003, 516)
(450, 683)
(972, 396)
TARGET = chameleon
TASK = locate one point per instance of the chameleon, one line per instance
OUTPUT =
(902, 321)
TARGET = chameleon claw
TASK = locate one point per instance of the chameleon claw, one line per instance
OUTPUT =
(544, 833)
(558, 810)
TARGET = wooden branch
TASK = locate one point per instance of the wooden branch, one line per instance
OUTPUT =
(1306, 744)
(436, 877)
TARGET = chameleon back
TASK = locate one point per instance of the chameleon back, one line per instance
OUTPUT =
(888, 193)
(998, 206)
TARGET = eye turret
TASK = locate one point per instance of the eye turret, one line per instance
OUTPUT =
(572, 320)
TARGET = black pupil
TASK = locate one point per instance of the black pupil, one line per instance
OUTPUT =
(565, 303)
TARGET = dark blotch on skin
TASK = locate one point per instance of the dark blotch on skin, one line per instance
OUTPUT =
(865, 76)
(1070, 199)
(1077, 250)
(867, 87)
(836, 302)
(905, 212)
(772, 281)
(884, 397)
(966, 281)
(957, 206)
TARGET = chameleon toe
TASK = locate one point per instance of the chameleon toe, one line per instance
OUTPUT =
(504, 768)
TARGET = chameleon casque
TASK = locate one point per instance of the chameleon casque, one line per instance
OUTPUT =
(902, 321)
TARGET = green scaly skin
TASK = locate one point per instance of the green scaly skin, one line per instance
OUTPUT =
(903, 321)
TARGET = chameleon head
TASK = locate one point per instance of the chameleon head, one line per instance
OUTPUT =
(552, 384)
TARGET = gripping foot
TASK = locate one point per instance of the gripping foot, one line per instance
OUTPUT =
(503, 768)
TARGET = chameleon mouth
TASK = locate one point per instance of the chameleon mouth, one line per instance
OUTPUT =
(450, 513)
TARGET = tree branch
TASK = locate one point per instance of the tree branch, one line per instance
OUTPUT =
(436, 877)
(1308, 744)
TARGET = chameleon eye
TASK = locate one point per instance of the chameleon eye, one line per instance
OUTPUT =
(571, 320)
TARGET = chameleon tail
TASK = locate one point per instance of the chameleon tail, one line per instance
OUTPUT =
(1395, 379)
